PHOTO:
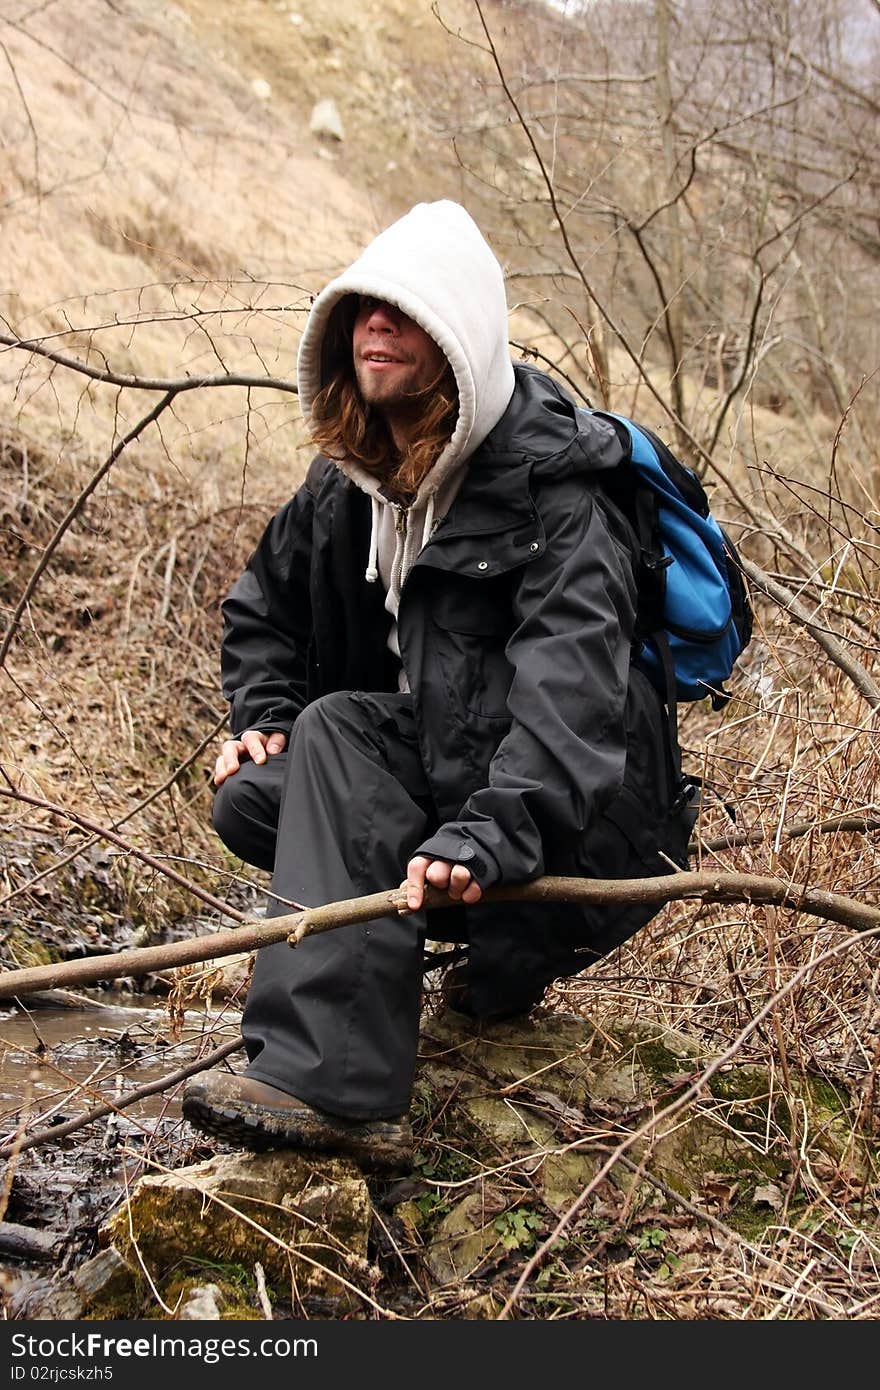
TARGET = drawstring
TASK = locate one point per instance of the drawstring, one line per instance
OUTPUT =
(372, 571)
(429, 519)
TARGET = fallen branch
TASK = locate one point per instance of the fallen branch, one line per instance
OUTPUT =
(861, 823)
(27, 1242)
(294, 927)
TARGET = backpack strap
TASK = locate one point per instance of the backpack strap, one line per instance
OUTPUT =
(662, 643)
(654, 563)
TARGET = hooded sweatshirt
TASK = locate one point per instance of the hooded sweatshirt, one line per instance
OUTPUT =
(435, 266)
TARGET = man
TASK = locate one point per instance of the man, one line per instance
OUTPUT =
(428, 661)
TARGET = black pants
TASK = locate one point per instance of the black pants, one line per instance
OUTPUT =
(335, 1021)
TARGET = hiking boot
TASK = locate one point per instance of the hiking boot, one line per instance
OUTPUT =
(257, 1116)
(455, 997)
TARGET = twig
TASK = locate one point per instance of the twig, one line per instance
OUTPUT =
(860, 677)
(667, 1115)
(106, 834)
(74, 508)
(857, 823)
(262, 1291)
(171, 385)
(121, 820)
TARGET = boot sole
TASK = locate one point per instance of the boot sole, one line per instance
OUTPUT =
(260, 1129)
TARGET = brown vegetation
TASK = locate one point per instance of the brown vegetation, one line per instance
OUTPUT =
(683, 200)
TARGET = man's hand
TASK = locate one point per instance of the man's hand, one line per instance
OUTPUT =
(439, 873)
(252, 744)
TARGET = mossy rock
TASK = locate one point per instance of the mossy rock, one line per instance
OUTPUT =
(567, 1056)
(564, 1175)
(740, 1137)
(26, 950)
(554, 1049)
(660, 1049)
(814, 1110)
(204, 1296)
(692, 1156)
(465, 1240)
(485, 1307)
(297, 1215)
(109, 1286)
(505, 1125)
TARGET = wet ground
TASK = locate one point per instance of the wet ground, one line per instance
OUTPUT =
(58, 1063)
(58, 1060)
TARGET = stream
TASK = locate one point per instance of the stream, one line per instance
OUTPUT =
(56, 1063)
(54, 1059)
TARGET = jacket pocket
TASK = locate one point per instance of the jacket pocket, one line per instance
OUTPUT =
(473, 610)
(475, 671)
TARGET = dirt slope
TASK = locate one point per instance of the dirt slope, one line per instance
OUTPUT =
(168, 209)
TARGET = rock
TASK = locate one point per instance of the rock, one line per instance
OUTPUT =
(192, 1300)
(507, 1124)
(39, 1300)
(306, 1216)
(325, 121)
(465, 1238)
(28, 1242)
(565, 1175)
(107, 1285)
(529, 1089)
(555, 1049)
(201, 1304)
(261, 89)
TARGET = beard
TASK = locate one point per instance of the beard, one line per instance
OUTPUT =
(399, 387)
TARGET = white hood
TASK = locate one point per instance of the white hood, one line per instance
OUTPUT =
(434, 265)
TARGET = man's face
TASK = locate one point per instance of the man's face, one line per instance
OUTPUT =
(393, 358)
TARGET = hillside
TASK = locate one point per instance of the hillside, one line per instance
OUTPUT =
(168, 210)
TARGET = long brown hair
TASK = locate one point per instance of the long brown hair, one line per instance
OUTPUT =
(344, 426)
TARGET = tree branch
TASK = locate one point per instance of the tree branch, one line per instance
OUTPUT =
(106, 834)
(858, 674)
(152, 1088)
(146, 383)
(296, 926)
(72, 511)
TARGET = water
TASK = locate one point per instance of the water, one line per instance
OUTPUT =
(56, 1063)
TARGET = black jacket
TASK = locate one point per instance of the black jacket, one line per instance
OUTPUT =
(544, 748)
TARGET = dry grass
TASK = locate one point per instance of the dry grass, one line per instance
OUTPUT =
(110, 686)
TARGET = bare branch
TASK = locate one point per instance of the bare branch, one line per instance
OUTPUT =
(860, 677)
(106, 834)
(98, 1112)
(146, 801)
(75, 507)
(173, 386)
(295, 927)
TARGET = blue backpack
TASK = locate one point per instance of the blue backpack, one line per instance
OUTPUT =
(694, 616)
